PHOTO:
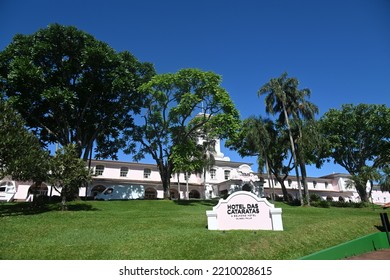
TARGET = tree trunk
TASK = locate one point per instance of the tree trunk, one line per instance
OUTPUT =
(361, 189)
(293, 152)
(284, 189)
(178, 183)
(302, 166)
(270, 180)
(304, 181)
(165, 176)
(281, 182)
(187, 195)
(63, 202)
(371, 187)
(204, 183)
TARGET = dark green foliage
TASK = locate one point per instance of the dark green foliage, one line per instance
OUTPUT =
(339, 204)
(71, 88)
(315, 197)
(322, 204)
(358, 139)
(21, 155)
(384, 182)
(294, 202)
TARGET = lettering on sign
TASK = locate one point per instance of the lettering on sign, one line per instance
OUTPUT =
(244, 210)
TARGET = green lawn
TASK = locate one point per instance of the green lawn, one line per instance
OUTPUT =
(166, 230)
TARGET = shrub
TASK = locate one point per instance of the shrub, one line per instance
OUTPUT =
(360, 204)
(295, 202)
(315, 197)
(279, 198)
(323, 204)
(340, 204)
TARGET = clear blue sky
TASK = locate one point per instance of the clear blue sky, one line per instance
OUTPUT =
(338, 49)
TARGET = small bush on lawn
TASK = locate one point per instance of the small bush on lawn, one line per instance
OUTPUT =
(315, 197)
(323, 204)
(339, 204)
(295, 202)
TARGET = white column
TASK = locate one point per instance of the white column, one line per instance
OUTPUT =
(276, 216)
(212, 223)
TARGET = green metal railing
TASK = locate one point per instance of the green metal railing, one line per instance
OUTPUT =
(369, 243)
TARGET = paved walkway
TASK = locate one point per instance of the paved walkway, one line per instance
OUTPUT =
(376, 255)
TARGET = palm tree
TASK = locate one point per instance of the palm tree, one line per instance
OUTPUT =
(302, 111)
(384, 182)
(260, 137)
(284, 98)
(308, 147)
(257, 140)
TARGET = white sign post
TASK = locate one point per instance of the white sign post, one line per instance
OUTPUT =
(244, 210)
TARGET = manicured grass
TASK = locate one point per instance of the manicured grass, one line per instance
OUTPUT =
(166, 230)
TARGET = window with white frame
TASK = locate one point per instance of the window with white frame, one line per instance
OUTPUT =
(99, 169)
(124, 171)
(227, 174)
(213, 173)
(147, 173)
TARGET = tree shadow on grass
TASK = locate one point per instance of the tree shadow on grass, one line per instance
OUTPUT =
(22, 208)
(30, 208)
(81, 207)
(194, 202)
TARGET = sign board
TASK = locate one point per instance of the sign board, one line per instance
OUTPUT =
(244, 210)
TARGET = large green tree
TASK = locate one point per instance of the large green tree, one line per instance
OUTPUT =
(359, 140)
(72, 88)
(180, 108)
(285, 99)
(21, 155)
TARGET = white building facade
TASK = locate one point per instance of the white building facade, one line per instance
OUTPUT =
(224, 178)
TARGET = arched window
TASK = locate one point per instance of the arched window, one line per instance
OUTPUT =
(150, 193)
(194, 194)
(246, 187)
